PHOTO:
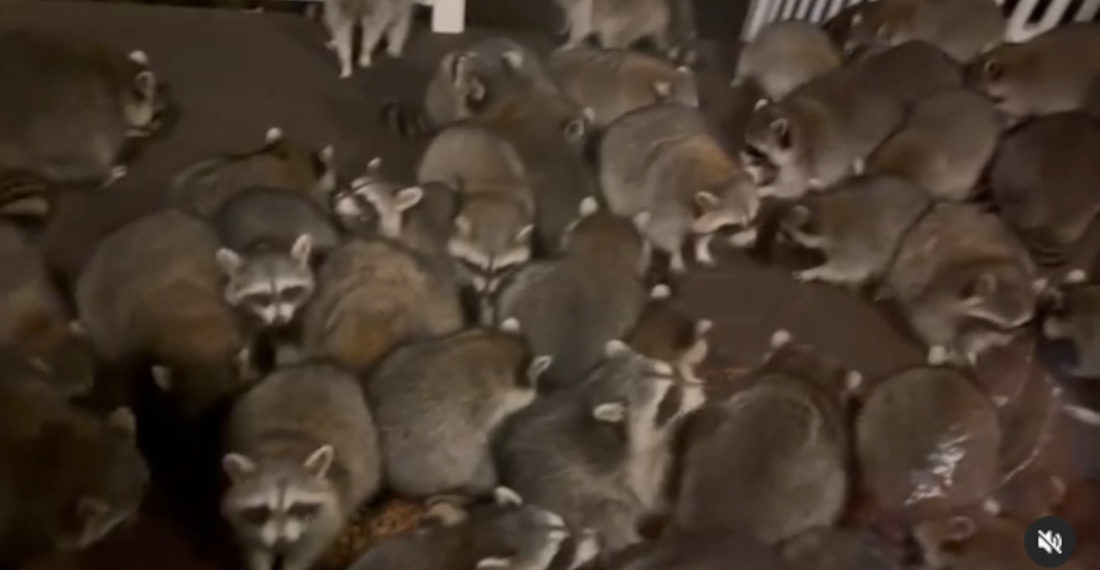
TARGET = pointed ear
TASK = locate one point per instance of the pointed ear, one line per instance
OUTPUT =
(702, 327)
(123, 422)
(781, 130)
(229, 261)
(494, 563)
(615, 348)
(302, 248)
(327, 155)
(512, 60)
(589, 206)
(375, 165)
(145, 84)
(510, 325)
(641, 220)
(660, 292)
(139, 57)
(505, 496)
(463, 226)
(408, 197)
(610, 412)
(319, 462)
(707, 201)
(663, 89)
(961, 528)
(237, 466)
(273, 135)
(524, 234)
(162, 377)
(537, 367)
(781, 338)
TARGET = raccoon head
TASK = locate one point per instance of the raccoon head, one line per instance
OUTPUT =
(275, 505)
(734, 205)
(771, 142)
(113, 477)
(388, 201)
(999, 296)
(1006, 75)
(632, 391)
(526, 536)
(269, 285)
(878, 26)
(491, 238)
(598, 231)
(140, 103)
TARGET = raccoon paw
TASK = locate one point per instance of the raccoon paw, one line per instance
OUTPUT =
(676, 263)
(394, 52)
(744, 238)
(702, 251)
(365, 60)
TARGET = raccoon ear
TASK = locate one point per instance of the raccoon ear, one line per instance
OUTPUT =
(615, 348)
(961, 528)
(512, 60)
(524, 234)
(857, 19)
(702, 327)
(463, 226)
(510, 325)
(408, 197)
(781, 129)
(475, 90)
(493, 563)
(589, 206)
(162, 377)
(707, 201)
(327, 155)
(610, 412)
(641, 220)
(302, 248)
(1076, 277)
(273, 135)
(537, 367)
(319, 462)
(139, 57)
(780, 338)
(229, 261)
(663, 90)
(122, 420)
(237, 466)
(506, 496)
(660, 292)
(375, 165)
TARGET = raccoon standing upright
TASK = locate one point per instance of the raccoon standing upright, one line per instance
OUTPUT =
(301, 456)
(378, 18)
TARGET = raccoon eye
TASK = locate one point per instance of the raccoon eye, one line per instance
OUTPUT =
(260, 299)
(754, 153)
(304, 512)
(993, 70)
(293, 293)
(256, 515)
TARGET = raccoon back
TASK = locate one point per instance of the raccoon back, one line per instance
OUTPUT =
(785, 55)
(273, 217)
(475, 160)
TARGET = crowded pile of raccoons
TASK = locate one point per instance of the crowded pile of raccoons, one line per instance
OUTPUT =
(490, 338)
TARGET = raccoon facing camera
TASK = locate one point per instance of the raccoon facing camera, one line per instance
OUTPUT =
(505, 534)
(468, 383)
(661, 161)
(302, 455)
(74, 109)
(203, 187)
(71, 477)
(926, 441)
(1050, 73)
(785, 55)
(598, 453)
(961, 28)
(791, 423)
(617, 24)
(569, 307)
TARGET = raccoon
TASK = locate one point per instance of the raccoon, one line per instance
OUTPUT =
(1043, 182)
(302, 456)
(1070, 314)
(617, 23)
(391, 18)
(665, 333)
(819, 133)
(663, 161)
(74, 108)
(34, 318)
(1048, 74)
(944, 145)
(70, 478)
(961, 28)
(963, 282)
(911, 72)
(974, 540)
(152, 292)
(202, 187)
(470, 382)
(597, 453)
(493, 231)
(598, 279)
(927, 441)
(371, 297)
(614, 82)
(858, 226)
(698, 551)
(505, 534)
(784, 56)
(790, 424)
(265, 217)
(839, 549)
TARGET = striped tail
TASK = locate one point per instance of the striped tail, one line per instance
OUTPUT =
(23, 196)
(401, 118)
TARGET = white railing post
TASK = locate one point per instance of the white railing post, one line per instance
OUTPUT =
(448, 16)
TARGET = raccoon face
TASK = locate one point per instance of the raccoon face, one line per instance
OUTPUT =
(390, 205)
(270, 286)
(140, 102)
(998, 74)
(1002, 298)
(116, 477)
(274, 506)
(734, 206)
(491, 239)
(770, 143)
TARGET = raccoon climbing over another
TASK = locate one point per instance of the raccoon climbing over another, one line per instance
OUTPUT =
(301, 456)
(372, 296)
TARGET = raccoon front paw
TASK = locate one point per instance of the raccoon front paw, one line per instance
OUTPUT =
(676, 263)
(394, 52)
(744, 238)
(118, 172)
(365, 60)
(702, 251)
(345, 71)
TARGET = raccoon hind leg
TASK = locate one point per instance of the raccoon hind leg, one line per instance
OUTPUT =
(398, 33)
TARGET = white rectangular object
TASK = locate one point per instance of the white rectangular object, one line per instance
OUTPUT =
(448, 16)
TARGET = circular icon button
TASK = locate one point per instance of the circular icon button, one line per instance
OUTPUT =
(1050, 542)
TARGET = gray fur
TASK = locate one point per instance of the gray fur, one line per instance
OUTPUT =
(302, 455)
(373, 296)
(699, 551)
(269, 285)
(493, 231)
(963, 281)
(664, 332)
(1044, 182)
(927, 442)
(770, 461)
(598, 453)
(961, 28)
(617, 23)
(839, 549)
(571, 306)
(204, 186)
(467, 384)
(944, 145)
(1048, 74)
(389, 18)
(662, 160)
(975, 540)
(816, 136)
(266, 217)
(70, 477)
(785, 55)
(1074, 316)
(73, 108)
(911, 71)
(614, 82)
(858, 225)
